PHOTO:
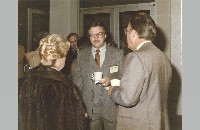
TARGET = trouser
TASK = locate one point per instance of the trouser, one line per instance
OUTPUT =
(100, 120)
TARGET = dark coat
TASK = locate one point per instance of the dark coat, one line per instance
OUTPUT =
(48, 100)
(71, 56)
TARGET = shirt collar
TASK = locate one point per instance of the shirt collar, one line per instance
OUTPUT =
(101, 49)
(142, 44)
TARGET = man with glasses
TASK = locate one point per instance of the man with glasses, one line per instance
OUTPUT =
(101, 109)
(143, 91)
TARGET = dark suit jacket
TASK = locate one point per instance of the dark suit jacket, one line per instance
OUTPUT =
(143, 90)
(71, 56)
(91, 93)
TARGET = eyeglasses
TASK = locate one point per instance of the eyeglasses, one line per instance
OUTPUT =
(99, 35)
(126, 31)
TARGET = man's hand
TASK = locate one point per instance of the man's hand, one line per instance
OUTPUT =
(105, 81)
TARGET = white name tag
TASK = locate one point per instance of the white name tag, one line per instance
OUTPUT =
(113, 69)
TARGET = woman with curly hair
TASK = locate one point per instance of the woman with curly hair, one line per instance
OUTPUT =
(48, 100)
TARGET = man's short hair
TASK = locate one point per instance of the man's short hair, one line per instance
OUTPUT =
(71, 34)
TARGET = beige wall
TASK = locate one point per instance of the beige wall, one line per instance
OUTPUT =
(176, 49)
(64, 16)
(169, 22)
(163, 22)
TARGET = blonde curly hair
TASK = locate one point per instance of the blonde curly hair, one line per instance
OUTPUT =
(51, 48)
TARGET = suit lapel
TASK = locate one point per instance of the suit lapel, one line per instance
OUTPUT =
(107, 61)
(93, 64)
(108, 56)
(90, 62)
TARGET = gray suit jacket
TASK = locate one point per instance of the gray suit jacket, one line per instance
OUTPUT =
(143, 91)
(91, 93)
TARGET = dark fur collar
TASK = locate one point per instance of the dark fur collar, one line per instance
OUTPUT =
(48, 72)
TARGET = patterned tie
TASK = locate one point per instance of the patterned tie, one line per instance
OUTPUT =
(97, 57)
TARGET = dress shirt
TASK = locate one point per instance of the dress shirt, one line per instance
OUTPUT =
(142, 44)
(101, 53)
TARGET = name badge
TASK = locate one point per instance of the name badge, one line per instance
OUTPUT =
(113, 69)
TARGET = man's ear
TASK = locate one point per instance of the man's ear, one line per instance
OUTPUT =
(133, 33)
(105, 35)
(58, 61)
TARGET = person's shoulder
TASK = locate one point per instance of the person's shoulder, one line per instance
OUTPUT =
(114, 49)
(132, 54)
(84, 50)
(149, 49)
(137, 54)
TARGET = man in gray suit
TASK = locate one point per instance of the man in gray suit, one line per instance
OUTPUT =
(143, 90)
(101, 109)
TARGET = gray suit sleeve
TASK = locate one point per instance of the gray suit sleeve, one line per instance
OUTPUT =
(76, 74)
(121, 62)
(128, 94)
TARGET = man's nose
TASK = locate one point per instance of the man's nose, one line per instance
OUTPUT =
(96, 36)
